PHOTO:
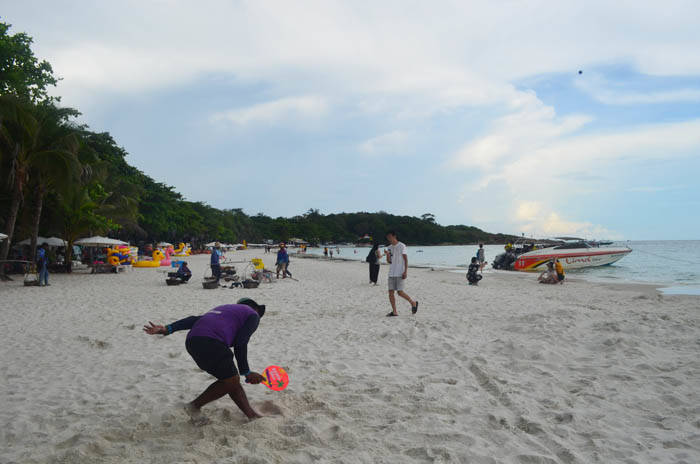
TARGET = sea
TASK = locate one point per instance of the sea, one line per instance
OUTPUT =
(673, 265)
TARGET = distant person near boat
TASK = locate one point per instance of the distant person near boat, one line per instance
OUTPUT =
(472, 273)
(549, 276)
(398, 272)
(481, 257)
(373, 258)
(560, 270)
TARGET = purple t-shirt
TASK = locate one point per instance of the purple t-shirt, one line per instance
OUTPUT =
(222, 323)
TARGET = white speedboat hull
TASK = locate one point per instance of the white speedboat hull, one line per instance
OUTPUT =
(576, 258)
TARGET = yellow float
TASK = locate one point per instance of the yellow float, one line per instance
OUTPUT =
(155, 262)
(182, 251)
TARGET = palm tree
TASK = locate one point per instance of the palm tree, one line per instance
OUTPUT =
(40, 147)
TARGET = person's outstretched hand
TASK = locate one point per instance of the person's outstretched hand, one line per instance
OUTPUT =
(154, 329)
(254, 378)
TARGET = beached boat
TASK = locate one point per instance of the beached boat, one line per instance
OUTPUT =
(574, 253)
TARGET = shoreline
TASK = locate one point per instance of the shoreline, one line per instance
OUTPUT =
(657, 287)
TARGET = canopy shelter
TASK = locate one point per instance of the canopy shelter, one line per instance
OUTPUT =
(99, 241)
(164, 244)
(51, 241)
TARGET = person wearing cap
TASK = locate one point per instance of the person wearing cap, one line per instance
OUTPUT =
(216, 255)
(209, 341)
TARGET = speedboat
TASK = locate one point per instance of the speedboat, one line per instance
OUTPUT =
(574, 253)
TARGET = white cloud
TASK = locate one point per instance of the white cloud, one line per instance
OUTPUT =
(609, 93)
(389, 143)
(360, 48)
(289, 109)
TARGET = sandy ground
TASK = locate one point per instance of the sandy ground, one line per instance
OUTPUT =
(510, 371)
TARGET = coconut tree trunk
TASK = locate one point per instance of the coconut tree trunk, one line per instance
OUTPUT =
(36, 216)
(10, 225)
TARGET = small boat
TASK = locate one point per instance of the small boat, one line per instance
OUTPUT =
(574, 253)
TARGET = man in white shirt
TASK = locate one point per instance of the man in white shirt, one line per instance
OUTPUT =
(398, 271)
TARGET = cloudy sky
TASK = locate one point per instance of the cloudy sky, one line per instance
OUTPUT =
(472, 110)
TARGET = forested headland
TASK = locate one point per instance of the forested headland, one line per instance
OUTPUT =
(59, 178)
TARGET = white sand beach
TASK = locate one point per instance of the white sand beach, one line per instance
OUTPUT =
(507, 372)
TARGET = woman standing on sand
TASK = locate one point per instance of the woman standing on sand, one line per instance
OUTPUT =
(373, 259)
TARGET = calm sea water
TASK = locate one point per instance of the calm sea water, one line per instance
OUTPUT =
(675, 264)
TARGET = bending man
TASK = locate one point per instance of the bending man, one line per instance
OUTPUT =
(208, 341)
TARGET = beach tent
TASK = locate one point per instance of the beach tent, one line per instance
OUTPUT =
(28, 241)
(99, 241)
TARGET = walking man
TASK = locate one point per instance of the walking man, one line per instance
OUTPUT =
(208, 341)
(282, 261)
(398, 271)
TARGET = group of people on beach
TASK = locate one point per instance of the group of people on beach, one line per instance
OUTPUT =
(554, 273)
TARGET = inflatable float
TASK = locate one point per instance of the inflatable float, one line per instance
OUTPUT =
(155, 262)
(119, 255)
(182, 251)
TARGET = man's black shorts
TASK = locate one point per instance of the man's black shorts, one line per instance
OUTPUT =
(212, 356)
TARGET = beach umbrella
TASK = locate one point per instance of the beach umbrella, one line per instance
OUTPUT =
(39, 241)
(3, 236)
(210, 244)
(99, 241)
(56, 242)
(164, 244)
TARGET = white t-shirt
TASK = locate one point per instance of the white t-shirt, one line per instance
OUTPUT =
(398, 265)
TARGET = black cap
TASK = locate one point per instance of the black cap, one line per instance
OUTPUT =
(250, 302)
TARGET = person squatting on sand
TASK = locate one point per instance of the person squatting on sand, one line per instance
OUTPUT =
(208, 341)
(398, 271)
(183, 272)
(548, 276)
(472, 275)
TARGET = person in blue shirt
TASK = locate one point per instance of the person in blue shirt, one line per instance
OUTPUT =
(282, 261)
(216, 255)
(183, 272)
(42, 264)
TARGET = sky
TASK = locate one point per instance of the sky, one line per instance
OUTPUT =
(538, 117)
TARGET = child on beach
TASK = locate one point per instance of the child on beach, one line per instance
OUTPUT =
(481, 257)
(472, 275)
(398, 271)
(560, 270)
(209, 342)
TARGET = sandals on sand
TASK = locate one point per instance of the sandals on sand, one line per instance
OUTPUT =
(391, 315)
(414, 309)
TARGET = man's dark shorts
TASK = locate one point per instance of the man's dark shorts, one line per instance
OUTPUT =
(212, 356)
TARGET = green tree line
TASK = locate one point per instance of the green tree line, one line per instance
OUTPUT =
(60, 178)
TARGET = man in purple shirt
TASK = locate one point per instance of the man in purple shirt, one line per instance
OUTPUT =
(208, 342)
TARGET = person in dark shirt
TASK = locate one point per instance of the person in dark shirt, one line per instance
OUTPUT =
(472, 275)
(183, 272)
(42, 264)
(209, 342)
(282, 261)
